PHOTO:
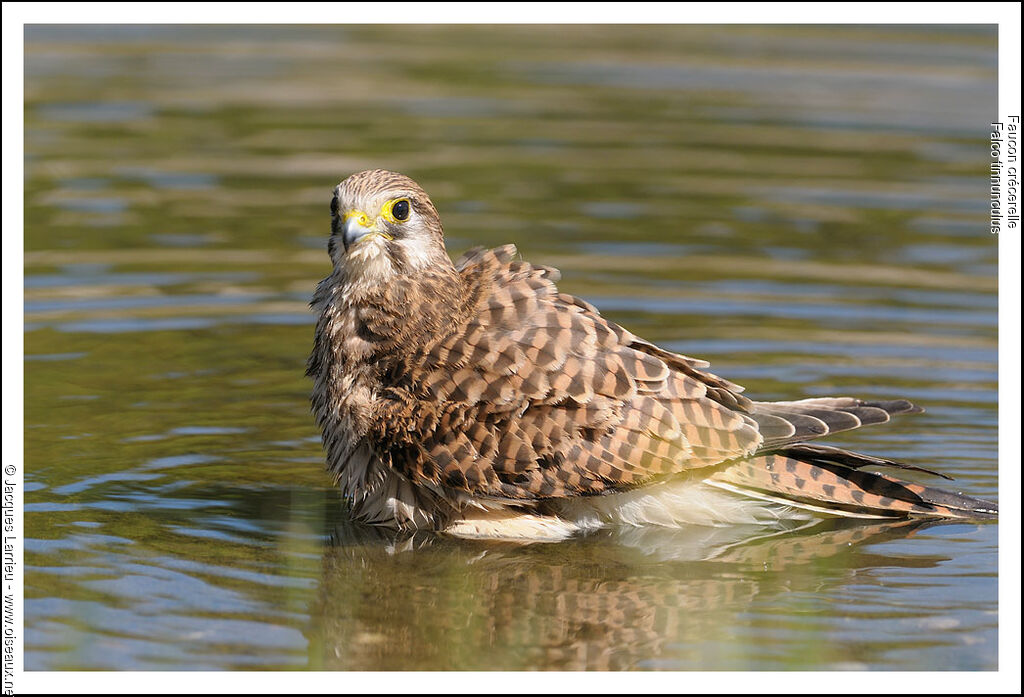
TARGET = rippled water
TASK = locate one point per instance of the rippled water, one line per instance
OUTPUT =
(803, 206)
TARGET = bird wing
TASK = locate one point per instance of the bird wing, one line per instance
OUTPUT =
(535, 395)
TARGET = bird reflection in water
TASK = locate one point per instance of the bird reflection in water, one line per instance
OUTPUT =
(626, 598)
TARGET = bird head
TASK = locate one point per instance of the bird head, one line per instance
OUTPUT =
(384, 225)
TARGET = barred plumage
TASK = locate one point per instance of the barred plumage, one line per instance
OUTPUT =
(478, 392)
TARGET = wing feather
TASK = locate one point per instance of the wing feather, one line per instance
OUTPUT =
(542, 397)
(534, 395)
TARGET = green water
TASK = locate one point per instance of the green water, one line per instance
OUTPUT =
(804, 207)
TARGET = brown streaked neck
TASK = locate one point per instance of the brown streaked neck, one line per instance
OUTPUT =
(375, 323)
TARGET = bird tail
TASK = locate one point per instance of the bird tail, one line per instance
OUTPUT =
(829, 480)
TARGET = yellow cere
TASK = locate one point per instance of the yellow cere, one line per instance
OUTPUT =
(364, 221)
(362, 218)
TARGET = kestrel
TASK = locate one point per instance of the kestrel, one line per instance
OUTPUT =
(475, 398)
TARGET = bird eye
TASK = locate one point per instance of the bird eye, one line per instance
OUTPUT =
(400, 210)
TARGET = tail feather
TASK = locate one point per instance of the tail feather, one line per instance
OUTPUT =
(816, 453)
(826, 480)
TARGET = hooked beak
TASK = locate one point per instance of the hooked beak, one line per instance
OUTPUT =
(358, 227)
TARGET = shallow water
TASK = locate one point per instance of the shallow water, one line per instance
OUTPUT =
(804, 207)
